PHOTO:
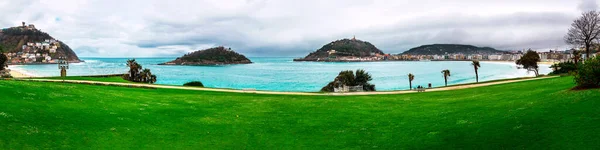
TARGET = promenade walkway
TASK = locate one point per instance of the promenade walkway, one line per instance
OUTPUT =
(456, 87)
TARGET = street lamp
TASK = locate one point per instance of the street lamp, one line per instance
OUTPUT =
(63, 65)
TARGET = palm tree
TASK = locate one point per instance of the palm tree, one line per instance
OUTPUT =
(411, 77)
(476, 66)
(362, 77)
(348, 78)
(145, 75)
(152, 79)
(134, 68)
(446, 75)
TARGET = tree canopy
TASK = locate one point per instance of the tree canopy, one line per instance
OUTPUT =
(588, 75)
(476, 66)
(530, 61)
(349, 78)
(584, 31)
(446, 74)
(137, 74)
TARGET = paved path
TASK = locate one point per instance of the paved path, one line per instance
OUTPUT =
(284, 93)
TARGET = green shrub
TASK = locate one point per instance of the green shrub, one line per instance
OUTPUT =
(588, 75)
(3, 60)
(137, 74)
(348, 78)
(194, 83)
(563, 68)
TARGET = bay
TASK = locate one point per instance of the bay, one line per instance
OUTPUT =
(282, 74)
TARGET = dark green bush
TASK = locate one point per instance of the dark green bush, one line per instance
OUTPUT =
(563, 68)
(3, 60)
(348, 78)
(137, 74)
(588, 75)
(194, 83)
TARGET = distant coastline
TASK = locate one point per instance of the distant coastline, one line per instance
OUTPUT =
(37, 63)
(393, 60)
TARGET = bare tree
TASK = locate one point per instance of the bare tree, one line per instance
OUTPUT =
(584, 31)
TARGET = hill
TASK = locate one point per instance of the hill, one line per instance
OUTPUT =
(441, 49)
(212, 56)
(341, 48)
(23, 43)
(36, 114)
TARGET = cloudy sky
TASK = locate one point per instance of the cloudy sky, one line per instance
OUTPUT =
(155, 28)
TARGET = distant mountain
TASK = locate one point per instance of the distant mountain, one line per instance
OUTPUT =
(344, 47)
(16, 39)
(441, 49)
(212, 56)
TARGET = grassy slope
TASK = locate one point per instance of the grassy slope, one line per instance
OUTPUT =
(534, 114)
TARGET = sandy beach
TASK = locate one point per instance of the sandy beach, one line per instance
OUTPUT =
(18, 74)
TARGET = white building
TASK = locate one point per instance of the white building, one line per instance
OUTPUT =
(494, 57)
(45, 45)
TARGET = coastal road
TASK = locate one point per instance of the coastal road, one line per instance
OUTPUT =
(139, 85)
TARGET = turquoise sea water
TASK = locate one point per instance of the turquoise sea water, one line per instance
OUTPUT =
(282, 74)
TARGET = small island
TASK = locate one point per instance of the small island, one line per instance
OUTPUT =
(346, 50)
(212, 56)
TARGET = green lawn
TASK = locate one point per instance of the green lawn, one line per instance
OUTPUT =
(102, 79)
(541, 114)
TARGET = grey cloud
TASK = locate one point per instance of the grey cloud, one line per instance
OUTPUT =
(588, 5)
(393, 39)
(215, 30)
(10, 8)
(87, 50)
(497, 31)
(295, 28)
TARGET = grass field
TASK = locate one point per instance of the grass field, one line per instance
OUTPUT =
(540, 114)
(102, 79)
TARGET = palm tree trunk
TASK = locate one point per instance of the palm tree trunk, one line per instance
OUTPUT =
(446, 80)
(410, 84)
(476, 76)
